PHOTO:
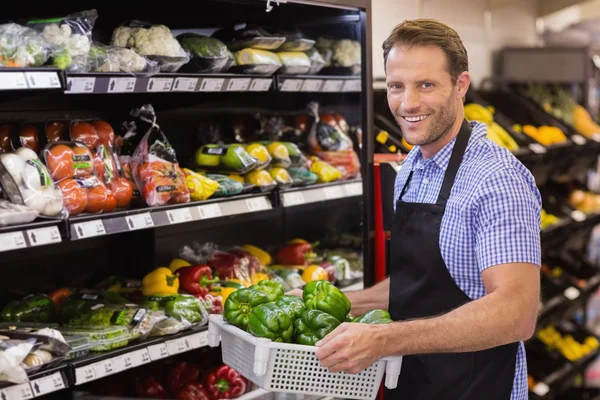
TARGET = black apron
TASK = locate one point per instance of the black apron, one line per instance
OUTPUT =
(421, 286)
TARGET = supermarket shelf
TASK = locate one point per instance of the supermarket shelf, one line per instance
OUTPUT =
(114, 83)
(38, 233)
(255, 394)
(316, 83)
(31, 79)
(83, 227)
(40, 383)
(313, 194)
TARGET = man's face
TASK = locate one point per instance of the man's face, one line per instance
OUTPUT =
(421, 95)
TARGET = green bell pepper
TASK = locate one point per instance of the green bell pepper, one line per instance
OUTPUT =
(239, 306)
(82, 302)
(322, 295)
(272, 289)
(291, 305)
(271, 322)
(33, 308)
(312, 326)
(184, 308)
(374, 317)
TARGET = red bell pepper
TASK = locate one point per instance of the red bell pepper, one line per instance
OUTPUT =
(182, 374)
(253, 262)
(196, 279)
(152, 389)
(225, 383)
(295, 254)
(228, 266)
(213, 303)
(193, 391)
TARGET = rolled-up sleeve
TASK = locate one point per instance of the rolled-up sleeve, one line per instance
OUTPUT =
(507, 220)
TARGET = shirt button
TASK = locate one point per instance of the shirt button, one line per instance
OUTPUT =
(426, 181)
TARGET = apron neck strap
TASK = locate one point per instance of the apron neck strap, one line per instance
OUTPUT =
(458, 151)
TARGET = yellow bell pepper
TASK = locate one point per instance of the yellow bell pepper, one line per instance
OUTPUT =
(263, 256)
(177, 263)
(244, 282)
(224, 292)
(160, 281)
(257, 277)
(314, 273)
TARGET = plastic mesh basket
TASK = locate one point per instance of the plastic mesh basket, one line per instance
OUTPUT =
(292, 368)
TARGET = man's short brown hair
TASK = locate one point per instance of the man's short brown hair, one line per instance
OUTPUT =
(429, 32)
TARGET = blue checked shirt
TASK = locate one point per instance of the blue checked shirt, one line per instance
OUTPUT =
(492, 216)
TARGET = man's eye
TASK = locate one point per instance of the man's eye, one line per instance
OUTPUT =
(394, 87)
(427, 85)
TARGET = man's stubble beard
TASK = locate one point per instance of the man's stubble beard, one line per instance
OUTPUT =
(442, 124)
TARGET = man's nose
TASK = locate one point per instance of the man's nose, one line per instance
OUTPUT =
(411, 101)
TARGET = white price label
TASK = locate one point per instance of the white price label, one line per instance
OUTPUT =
(199, 339)
(180, 215)
(579, 140)
(212, 84)
(139, 357)
(185, 84)
(537, 148)
(210, 211)
(48, 384)
(258, 204)
(177, 346)
(12, 241)
(12, 80)
(238, 84)
(260, 85)
(571, 293)
(578, 216)
(333, 192)
(17, 392)
(85, 374)
(121, 363)
(354, 189)
(42, 80)
(541, 389)
(81, 85)
(353, 85)
(293, 199)
(159, 84)
(596, 137)
(291, 85)
(139, 221)
(104, 368)
(42, 236)
(158, 351)
(332, 85)
(89, 229)
(121, 85)
(312, 85)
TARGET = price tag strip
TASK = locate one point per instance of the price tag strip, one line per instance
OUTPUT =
(332, 86)
(121, 85)
(354, 189)
(291, 85)
(12, 80)
(185, 84)
(258, 204)
(89, 229)
(48, 384)
(159, 84)
(17, 392)
(238, 84)
(80, 85)
(198, 340)
(210, 211)
(293, 199)
(212, 84)
(260, 85)
(42, 80)
(333, 192)
(321, 194)
(12, 241)
(158, 351)
(179, 216)
(177, 346)
(139, 221)
(353, 85)
(43, 236)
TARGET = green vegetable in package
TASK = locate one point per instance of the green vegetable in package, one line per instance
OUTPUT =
(322, 295)
(272, 289)
(374, 317)
(312, 326)
(239, 306)
(291, 305)
(138, 320)
(302, 176)
(82, 302)
(184, 308)
(256, 57)
(227, 186)
(271, 322)
(33, 308)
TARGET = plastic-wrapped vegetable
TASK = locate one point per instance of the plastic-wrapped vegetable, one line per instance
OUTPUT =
(199, 186)
(282, 177)
(242, 36)
(21, 47)
(207, 54)
(256, 61)
(262, 179)
(317, 62)
(302, 176)
(227, 186)
(225, 158)
(103, 58)
(260, 153)
(294, 62)
(279, 153)
(296, 157)
(326, 173)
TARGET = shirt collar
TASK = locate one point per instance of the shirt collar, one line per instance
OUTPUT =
(441, 159)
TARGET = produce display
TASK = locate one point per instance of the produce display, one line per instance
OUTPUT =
(548, 219)
(495, 132)
(566, 344)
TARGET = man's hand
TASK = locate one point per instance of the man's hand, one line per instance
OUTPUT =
(295, 292)
(350, 348)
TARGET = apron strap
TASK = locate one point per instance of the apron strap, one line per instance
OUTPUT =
(455, 160)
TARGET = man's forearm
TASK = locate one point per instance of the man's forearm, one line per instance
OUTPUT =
(493, 320)
(376, 297)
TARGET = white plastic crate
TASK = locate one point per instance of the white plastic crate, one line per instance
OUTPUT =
(293, 368)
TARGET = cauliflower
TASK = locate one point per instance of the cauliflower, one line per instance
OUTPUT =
(57, 36)
(78, 45)
(344, 53)
(156, 41)
(129, 61)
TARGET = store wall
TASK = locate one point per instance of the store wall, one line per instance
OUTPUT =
(483, 31)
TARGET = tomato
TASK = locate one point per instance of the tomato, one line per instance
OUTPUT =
(82, 161)
(55, 131)
(328, 119)
(123, 190)
(96, 197)
(74, 196)
(99, 167)
(162, 182)
(60, 162)
(85, 133)
(29, 137)
(111, 201)
(106, 134)
(5, 134)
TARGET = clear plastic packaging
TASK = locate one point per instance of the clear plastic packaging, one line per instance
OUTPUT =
(279, 154)
(295, 40)
(12, 354)
(225, 158)
(154, 165)
(104, 58)
(294, 62)
(256, 61)
(15, 214)
(80, 346)
(248, 36)
(261, 179)
(56, 131)
(28, 327)
(260, 153)
(27, 181)
(21, 47)
(282, 177)
(68, 38)
(102, 338)
(227, 186)
(6, 133)
(155, 42)
(317, 62)
(297, 159)
(302, 176)
(342, 56)
(208, 55)
(199, 186)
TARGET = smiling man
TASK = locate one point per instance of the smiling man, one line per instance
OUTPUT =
(465, 247)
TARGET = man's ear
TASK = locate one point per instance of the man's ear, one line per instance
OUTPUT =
(463, 82)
